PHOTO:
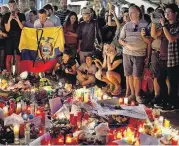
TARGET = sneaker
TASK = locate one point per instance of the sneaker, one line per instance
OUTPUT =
(167, 107)
(139, 99)
(156, 100)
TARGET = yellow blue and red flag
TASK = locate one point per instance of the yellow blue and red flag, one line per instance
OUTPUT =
(40, 48)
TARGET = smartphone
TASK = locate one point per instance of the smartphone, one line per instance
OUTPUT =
(13, 13)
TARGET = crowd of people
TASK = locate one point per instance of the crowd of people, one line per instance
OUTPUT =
(104, 47)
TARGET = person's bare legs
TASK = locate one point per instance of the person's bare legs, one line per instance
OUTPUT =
(156, 87)
(115, 78)
(131, 85)
(127, 87)
(90, 80)
(137, 85)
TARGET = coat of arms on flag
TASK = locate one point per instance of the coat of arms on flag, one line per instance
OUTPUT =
(40, 48)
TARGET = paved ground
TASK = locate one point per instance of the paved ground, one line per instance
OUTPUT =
(173, 117)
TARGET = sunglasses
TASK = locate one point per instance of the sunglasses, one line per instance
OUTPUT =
(136, 28)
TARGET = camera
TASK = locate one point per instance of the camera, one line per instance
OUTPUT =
(156, 17)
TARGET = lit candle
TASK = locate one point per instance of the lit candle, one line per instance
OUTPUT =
(175, 140)
(60, 140)
(166, 123)
(105, 97)
(6, 112)
(18, 110)
(126, 101)
(132, 103)
(121, 101)
(119, 135)
(68, 139)
(110, 137)
(16, 134)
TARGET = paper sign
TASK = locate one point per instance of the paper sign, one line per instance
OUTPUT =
(36, 121)
(55, 104)
(129, 111)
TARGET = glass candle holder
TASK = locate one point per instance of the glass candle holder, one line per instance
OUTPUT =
(16, 134)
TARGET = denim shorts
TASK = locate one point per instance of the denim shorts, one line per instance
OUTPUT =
(133, 65)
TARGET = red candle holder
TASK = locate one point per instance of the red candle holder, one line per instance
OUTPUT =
(86, 116)
(174, 141)
(41, 131)
(110, 137)
(72, 119)
(59, 140)
(68, 140)
(133, 103)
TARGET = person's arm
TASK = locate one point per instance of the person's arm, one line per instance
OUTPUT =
(79, 32)
(21, 24)
(122, 37)
(169, 36)
(8, 24)
(72, 34)
(116, 19)
(109, 18)
(112, 66)
(3, 34)
(154, 32)
(105, 61)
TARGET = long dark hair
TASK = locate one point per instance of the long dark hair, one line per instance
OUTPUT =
(68, 22)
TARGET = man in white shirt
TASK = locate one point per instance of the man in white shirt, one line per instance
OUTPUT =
(50, 12)
(43, 21)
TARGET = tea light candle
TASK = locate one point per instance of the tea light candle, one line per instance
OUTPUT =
(132, 103)
(166, 123)
(6, 112)
(68, 139)
(121, 101)
(105, 97)
(126, 101)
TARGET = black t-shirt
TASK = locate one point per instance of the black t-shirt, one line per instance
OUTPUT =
(118, 69)
(71, 62)
(15, 30)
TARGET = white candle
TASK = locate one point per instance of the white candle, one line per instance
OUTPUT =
(161, 120)
(6, 112)
(16, 130)
(126, 101)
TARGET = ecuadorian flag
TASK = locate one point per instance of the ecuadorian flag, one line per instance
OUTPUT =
(40, 48)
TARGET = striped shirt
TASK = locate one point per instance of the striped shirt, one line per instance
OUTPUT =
(62, 14)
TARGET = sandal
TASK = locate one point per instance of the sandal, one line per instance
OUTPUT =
(117, 91)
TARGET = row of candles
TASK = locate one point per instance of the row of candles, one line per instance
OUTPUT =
(95, 93)
(131, 135)
(60, 140)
